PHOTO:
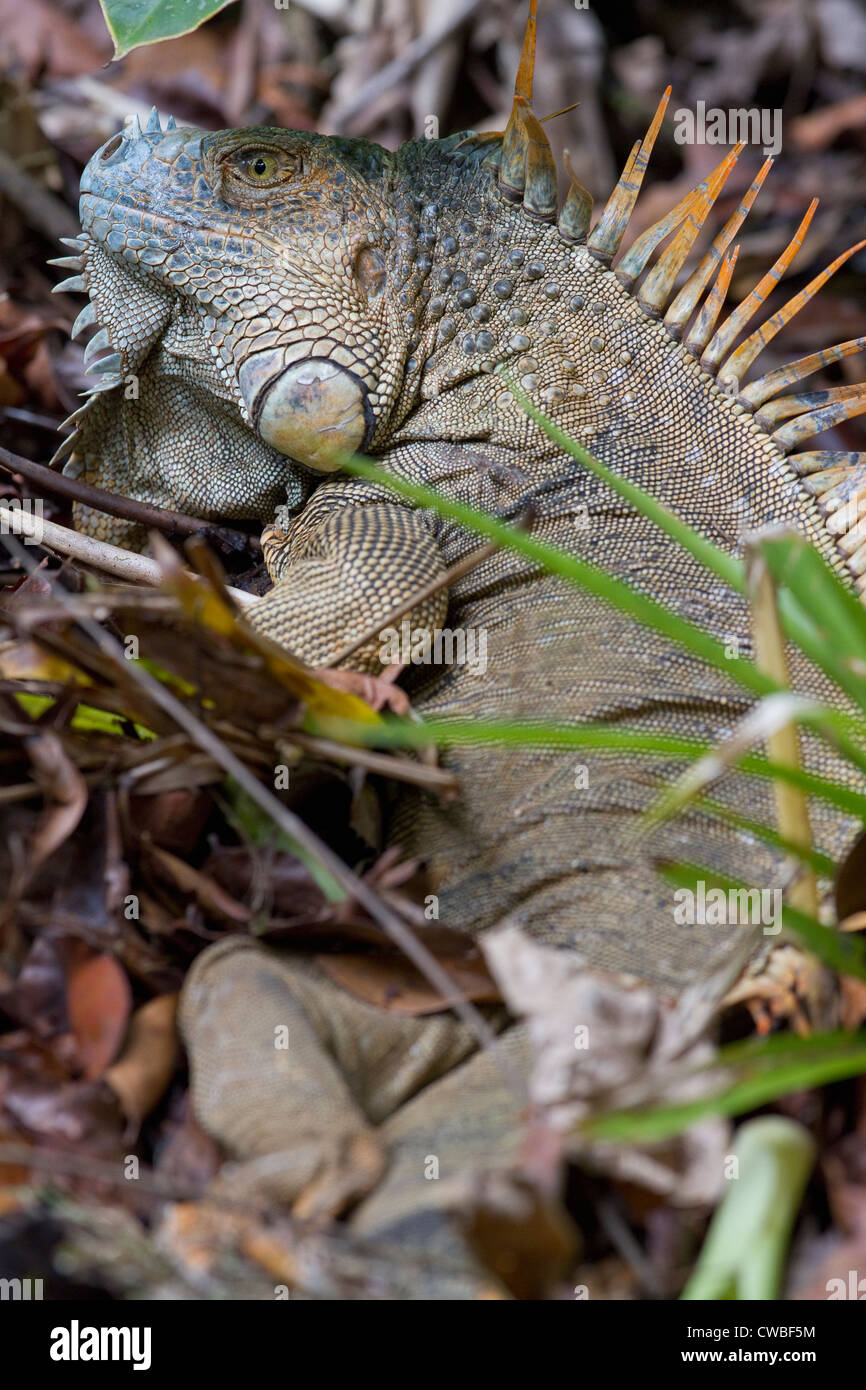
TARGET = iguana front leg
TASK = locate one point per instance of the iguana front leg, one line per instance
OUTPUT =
(350, 559)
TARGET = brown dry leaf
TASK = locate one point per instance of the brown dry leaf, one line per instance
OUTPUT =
(141, 1075)
(850, 886)
(38, 35)
(99, 1003)
(819, 129)
(211, 611)
(209, 895)
(173, 817)
(38, 997)
(65, 792)
(188, 1158)
(82, 1114)
(603, 1042)
(853, 1008)
(392, 983)
(29, 661)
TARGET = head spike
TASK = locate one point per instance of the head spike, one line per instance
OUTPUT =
(84, 320)
(686, 301)
(75, 284)
(107, 383)
(153, 123)
(133, 130)
(576, 214)
(64, 447)
(171, 123)
(605, 240)
(831, 469)
(112, 363)
(737, 321)
(76, 415)
(740, 361)
(75, 243)
(526, 70)
(712, 306)
(770, 385)
(97, 343)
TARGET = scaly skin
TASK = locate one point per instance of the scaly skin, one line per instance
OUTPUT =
(225, 267)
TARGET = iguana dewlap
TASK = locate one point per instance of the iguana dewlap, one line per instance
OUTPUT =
(268, 298)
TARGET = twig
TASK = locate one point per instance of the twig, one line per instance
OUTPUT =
(110, 559)
(144, 513)
(404, 769)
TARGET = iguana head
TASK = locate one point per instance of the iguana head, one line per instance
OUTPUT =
(256, 293)
(263, 251)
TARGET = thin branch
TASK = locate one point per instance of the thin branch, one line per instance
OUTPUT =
(436, 779)
(144, 513)
(110, 559)
(395, 72)
(41, 210)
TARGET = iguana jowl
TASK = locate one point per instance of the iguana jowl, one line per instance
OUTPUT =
(280, 296)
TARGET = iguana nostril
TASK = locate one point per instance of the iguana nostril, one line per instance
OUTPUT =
(313, 411)
(112, 147)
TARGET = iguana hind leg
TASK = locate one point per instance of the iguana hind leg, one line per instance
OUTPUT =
(291, 1073)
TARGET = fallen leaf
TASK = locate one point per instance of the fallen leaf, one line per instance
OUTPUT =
(392, 983)
(142, 1073)
(99, 1002)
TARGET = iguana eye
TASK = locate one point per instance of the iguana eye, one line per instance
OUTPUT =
(265, 167)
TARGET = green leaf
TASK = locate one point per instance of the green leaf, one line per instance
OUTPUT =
(445, 733)
(579, 572)
(87, 719)
(743, 1256)
(831, 725)
(132, 23)
(724, 566)
(751, 1074)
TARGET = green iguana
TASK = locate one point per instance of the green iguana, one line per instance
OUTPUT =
(277, 297)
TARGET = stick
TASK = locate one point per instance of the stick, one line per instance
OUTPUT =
(155, 518)
(110, 559)
(443, 581)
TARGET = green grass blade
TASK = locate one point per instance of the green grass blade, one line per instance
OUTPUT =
(751, 1074)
